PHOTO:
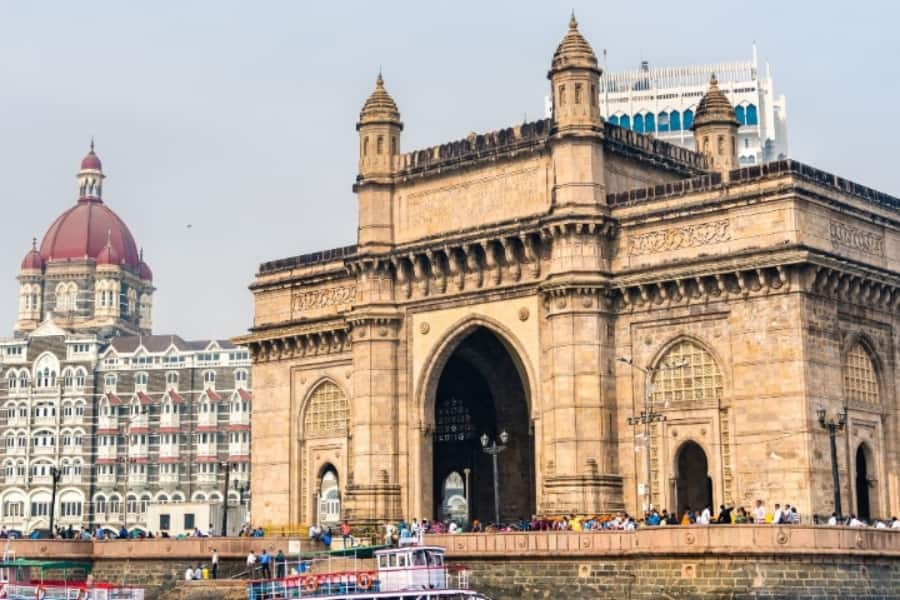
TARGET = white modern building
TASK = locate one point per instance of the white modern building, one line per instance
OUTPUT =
(662, 101)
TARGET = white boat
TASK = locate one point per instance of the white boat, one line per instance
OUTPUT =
(409, 572)
(23, 579)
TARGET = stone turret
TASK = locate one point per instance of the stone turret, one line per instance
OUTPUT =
(715, 129)
(379, 130)
(576, 143)
(575, 78)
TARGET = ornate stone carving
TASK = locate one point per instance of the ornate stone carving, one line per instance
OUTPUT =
(304, 301)
(675, 238)
(845, 236)
(424, 328)
(524, 314)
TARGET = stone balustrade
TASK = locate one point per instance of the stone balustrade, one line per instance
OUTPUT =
(675, 541)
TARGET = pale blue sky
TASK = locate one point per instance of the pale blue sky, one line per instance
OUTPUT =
(238, 117)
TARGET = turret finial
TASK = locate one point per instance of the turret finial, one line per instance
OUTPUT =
(92, 143)
(573, 22)
(379, 81)
(34, 243)
(712, 80)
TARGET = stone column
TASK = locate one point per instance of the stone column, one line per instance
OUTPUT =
(579, 468)
(372, 493)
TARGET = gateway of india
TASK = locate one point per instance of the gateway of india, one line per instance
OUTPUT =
(646, 324)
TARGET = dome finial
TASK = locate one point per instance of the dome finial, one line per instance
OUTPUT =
(379, 81)
(573, 22)
(92, 144)
(713, 82)
(34, 243)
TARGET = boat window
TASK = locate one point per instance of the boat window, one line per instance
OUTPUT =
(382, 562)
(401, 560)
(435, 560)
(419, 558)
(393, 559)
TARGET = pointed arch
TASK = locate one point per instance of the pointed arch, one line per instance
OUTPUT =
(861, 371)
(326, 410)
(699, 379)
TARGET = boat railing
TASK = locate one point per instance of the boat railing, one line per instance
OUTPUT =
(69, 592)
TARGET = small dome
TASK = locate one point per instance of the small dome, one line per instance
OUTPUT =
(714, 107)
(109, 255)
(574, 51)
(91, 161)
(380, 107)
(33, 260)
(144, 271)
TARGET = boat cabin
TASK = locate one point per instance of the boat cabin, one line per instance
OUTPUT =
(411, 568)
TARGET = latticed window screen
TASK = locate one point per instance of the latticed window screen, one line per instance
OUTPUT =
(328, 411)
(698, 380)
(860, 382)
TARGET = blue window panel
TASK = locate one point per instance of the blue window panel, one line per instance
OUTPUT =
(614, 120)
(639, 123)
(752, 118)
(739, 113)
(625, 121)
(662, 121)
(688, 119)
(649, 123)
(675, 121)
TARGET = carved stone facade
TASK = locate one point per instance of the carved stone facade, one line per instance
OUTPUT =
(498, 280)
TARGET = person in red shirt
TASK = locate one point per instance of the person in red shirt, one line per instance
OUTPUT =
(345, 533)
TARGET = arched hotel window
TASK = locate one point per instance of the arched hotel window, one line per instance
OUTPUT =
(700, 379)
(327, 411)
(625, 121)
(752, 118)
(674, 121)
(614, 120)
(860, 379)
(663, 120)
(649, 123)
(739, 113)
(688, 119)
(639, 123)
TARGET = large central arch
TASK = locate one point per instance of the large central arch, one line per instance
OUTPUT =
(478, 385)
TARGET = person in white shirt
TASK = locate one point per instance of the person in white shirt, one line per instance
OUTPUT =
(188, 574)
(854, 522)
(251, 564)
(895, 523)
(704, 517)
(454, 528)
(880, 525)
(833, 520)
(776, 517)
(759, 513)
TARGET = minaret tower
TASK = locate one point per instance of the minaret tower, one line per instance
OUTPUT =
(576, 144)
(90, 178)
(715, 129)
(575, 78)
(379, 130)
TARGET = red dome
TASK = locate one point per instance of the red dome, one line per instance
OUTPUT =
(82, 232)
(33, 260)
(145, 273)
(108, 256)
(91, 161)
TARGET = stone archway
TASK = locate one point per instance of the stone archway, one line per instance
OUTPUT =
(693, 485)
(864, 475)
(480, 390)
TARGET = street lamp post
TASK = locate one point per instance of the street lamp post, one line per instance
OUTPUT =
(54, 476)
(466, 471)
(647, 417)
(491, 447)
(227, 466)
(833, 428)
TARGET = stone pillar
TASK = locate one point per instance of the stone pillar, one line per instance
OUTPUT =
(373, 490)
(580, 472)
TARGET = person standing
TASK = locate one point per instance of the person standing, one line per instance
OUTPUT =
(759, 513)
(280, 564)
(345, 534)
(215, 564)
(265, 562)
(251, 565)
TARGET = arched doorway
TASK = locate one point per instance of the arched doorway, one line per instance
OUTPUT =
(863, 503)
(329, 497)
(693, 486)
(481, 391)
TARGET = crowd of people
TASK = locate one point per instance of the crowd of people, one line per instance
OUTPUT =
(99, 533)
(405, 532)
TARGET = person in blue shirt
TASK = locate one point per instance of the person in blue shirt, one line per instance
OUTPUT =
(265, 565)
